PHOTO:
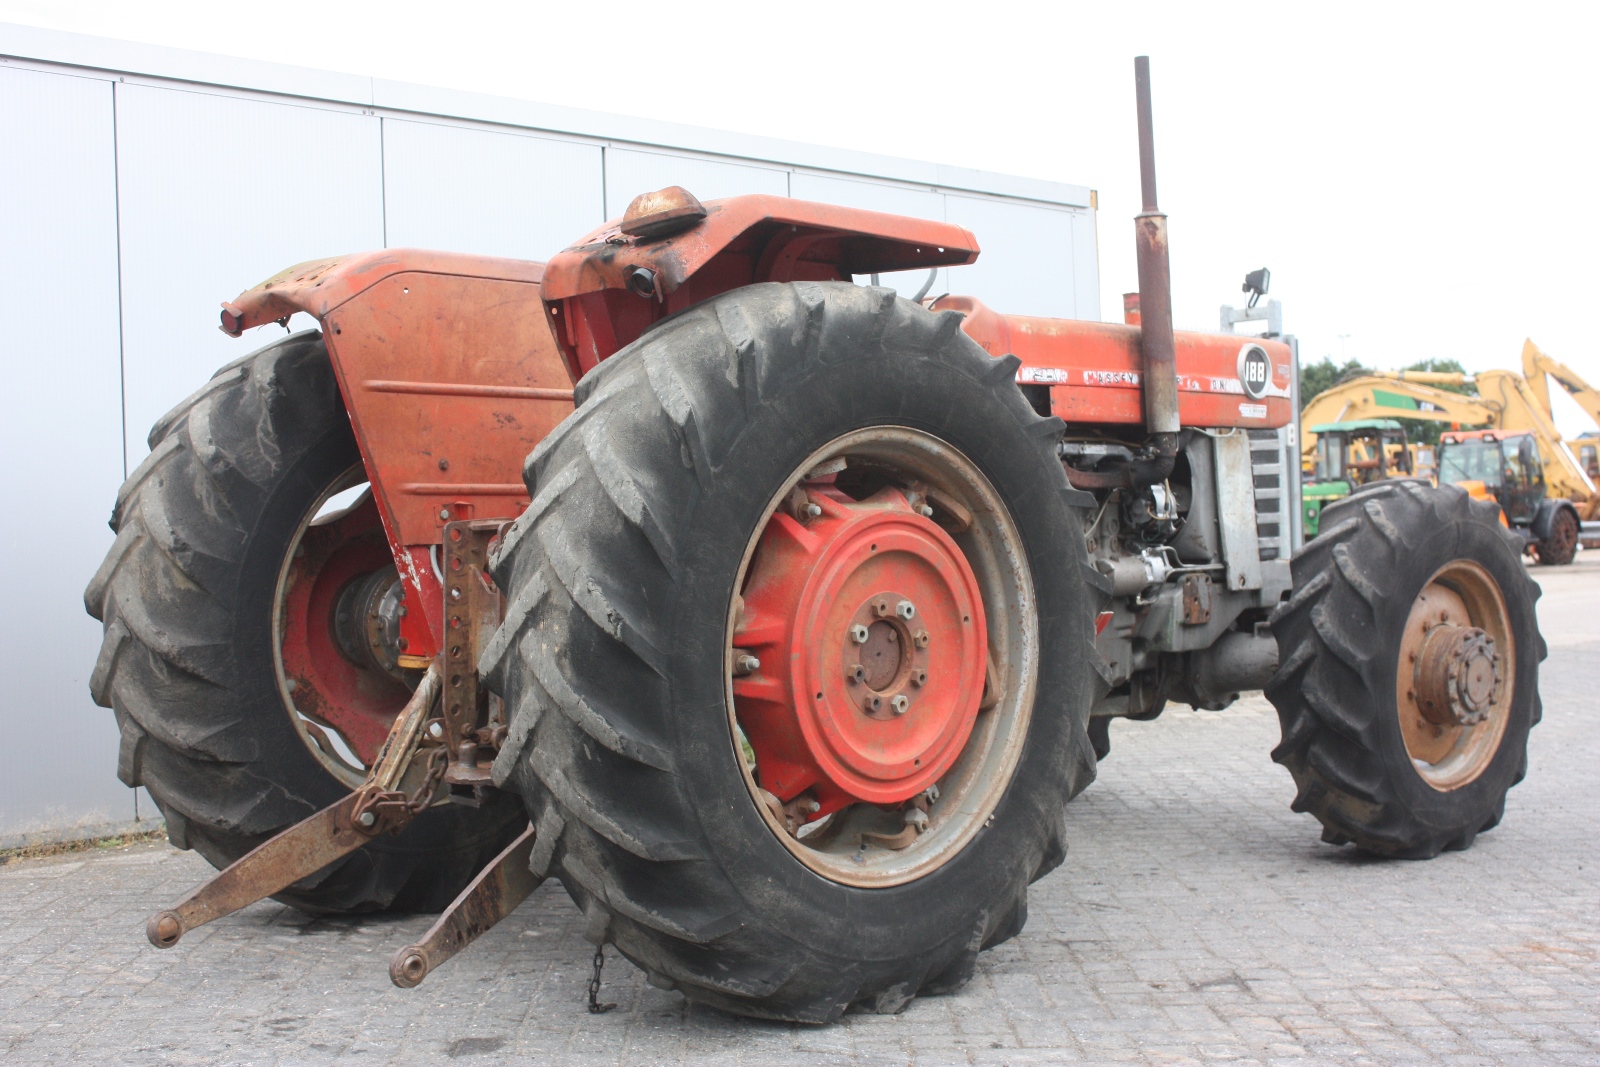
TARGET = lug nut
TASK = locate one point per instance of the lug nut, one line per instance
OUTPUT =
(744, 663)
(900, 703)
(855, 674)
(858, 634)
(905, 609)
(813, 510)
(880, 608)
(919, 677)
(872, 703)
(921, 638)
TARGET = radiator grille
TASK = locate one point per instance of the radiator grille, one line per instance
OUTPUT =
(1267, 448)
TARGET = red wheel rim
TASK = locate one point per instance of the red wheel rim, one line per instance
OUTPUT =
(873, 763)
(323, 688)
(877, 721)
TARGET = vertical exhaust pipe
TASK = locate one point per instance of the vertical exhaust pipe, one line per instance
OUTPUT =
(1155, 297)
(1151, 308)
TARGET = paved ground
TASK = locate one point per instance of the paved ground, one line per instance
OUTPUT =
(1197, 920)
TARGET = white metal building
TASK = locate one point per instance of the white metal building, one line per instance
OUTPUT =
(141, 186)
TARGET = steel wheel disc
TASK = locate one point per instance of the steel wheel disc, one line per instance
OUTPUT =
(1457, 671)
(888, 603)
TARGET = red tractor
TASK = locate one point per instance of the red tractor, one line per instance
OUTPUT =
(778, 616)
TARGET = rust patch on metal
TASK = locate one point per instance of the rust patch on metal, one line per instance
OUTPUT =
(491, 896)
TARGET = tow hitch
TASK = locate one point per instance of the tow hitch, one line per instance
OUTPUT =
(424, 761)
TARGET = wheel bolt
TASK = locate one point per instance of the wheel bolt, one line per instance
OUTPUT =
(900, 703)
(921, 638)
(855, 674)
(925, 511)
(366, 818)
(858, 634)
(813, 510)
(905, 609)
(744, 663)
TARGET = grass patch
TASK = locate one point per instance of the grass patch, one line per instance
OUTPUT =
(62, 848)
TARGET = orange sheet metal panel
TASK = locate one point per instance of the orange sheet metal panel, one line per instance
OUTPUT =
(741, 240)
(450, 375)
(450, 382)
(1093, 368)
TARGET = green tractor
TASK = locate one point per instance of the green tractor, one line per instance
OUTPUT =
(1349, 455)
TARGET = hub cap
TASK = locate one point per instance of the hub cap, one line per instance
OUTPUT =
(1455, 676)
(881, 657)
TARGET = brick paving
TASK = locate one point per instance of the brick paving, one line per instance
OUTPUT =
(1197, 920)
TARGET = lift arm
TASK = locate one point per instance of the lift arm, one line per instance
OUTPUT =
(1536, 366)
(1388, 396)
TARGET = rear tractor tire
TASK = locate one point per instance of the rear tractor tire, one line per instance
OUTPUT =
(797, 652)
(227, 677)
(1409, 660)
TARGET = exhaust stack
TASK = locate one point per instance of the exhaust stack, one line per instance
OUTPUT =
(1155, 292)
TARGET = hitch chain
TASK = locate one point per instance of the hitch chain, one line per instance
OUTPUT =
(379, 810)
(595, 1007)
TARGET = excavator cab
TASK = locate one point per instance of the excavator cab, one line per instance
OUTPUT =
(1506, 466)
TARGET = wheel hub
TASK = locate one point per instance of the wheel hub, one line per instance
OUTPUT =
(868, 624)
(1457, 675)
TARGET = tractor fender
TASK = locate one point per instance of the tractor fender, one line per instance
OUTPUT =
(1548, 510)
(605, 291)
(450, 376)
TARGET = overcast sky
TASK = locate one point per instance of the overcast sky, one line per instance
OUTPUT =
(1418, 178)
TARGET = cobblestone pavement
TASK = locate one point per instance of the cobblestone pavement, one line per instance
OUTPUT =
(1196, 920)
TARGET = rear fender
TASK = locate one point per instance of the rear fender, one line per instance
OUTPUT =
(1548, 510)
(598, 301)
(450, 377)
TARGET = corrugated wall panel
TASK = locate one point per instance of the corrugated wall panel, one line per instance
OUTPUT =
(630, 172)
(217, 194)
(61, 432)
(492, 193)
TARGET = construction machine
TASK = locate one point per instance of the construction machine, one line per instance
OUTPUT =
(1350, 455)
(776, 615)
(1504, 467)
(1506, 402)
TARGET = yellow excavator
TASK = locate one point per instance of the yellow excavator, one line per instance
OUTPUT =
(1533, 460)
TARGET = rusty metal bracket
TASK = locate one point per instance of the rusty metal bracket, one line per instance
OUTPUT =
(380, 805)
(492, 895)
(474, 721)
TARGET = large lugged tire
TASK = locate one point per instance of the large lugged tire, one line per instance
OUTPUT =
(187, 664)
(1561, 546)
(1403, 728)
(614, 659)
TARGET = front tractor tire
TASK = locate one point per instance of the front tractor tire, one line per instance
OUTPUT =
(797, 649)
(219, 659)
(1409, 659)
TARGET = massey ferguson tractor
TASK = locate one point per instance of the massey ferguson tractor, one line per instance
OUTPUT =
(779, 617)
